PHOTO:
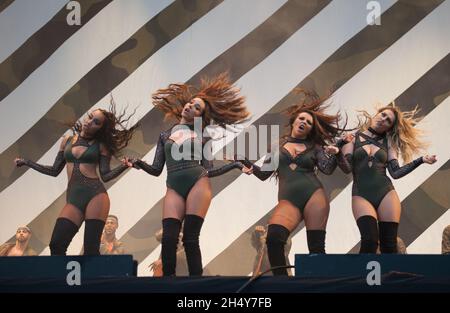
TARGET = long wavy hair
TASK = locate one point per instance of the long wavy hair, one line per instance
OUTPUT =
(325, 126)
(114, 133)
(223, 103)
(406, 139)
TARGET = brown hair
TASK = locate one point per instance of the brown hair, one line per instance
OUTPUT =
(113, 134)
(223, 102)
(325, 126)
(405, 137)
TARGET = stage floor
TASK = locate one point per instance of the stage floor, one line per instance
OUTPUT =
(393, 282)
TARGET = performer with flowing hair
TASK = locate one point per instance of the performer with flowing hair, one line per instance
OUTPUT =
(378, 144)
(301, 195)
(100, 135)
(189, 193)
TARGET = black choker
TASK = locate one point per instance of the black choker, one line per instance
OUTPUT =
(373, 131)
(297, 140)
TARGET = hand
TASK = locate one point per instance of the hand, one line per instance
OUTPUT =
(260, 229)
(331, 149)
(127, 161)
(155, 264)
(247, 170)
(348, 137)
(19, 162)
(430, 159)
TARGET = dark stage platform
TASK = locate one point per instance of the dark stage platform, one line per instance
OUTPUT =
(315, 274)
(392, 282)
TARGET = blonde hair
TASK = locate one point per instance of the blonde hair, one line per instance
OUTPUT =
(405, 137)
(223, 102)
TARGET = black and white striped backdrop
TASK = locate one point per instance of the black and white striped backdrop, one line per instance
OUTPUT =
(52, 73)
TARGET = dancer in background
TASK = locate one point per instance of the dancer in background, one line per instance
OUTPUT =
(21, 246)
(109, 243)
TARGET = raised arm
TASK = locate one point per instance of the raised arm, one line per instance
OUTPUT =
(156, 168)
(53, 170)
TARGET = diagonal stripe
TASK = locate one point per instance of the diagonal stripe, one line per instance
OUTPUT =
(340, 225)
(344, 226)
(76, 63)
(104, 77)
(433, 97)
(422, 209)
(38, 48)
(4, 4)
(262, 42)
(430, 241)
(431, 89)
(121, 192)
(338, 180)
(259, 95)
(141, 199)
(198, 34)
(426, 204)
(423, 34)
(24, 17)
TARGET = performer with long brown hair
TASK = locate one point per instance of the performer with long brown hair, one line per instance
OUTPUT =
(102, 134)
(301, 195)
(189, 193)
(381, 140)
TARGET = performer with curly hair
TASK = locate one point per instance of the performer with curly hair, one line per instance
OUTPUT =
(189, 193)
(377, 145)
(300, 195)
(99, 136)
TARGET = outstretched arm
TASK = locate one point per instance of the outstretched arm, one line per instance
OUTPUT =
(156, 168)
(257, 171)
(106, 173)
(213, 172)
(53, 170)
(396, 171)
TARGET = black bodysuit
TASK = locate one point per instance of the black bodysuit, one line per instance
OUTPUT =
(81, 189)
(297, 178)
(369, 172)
(182, 174)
